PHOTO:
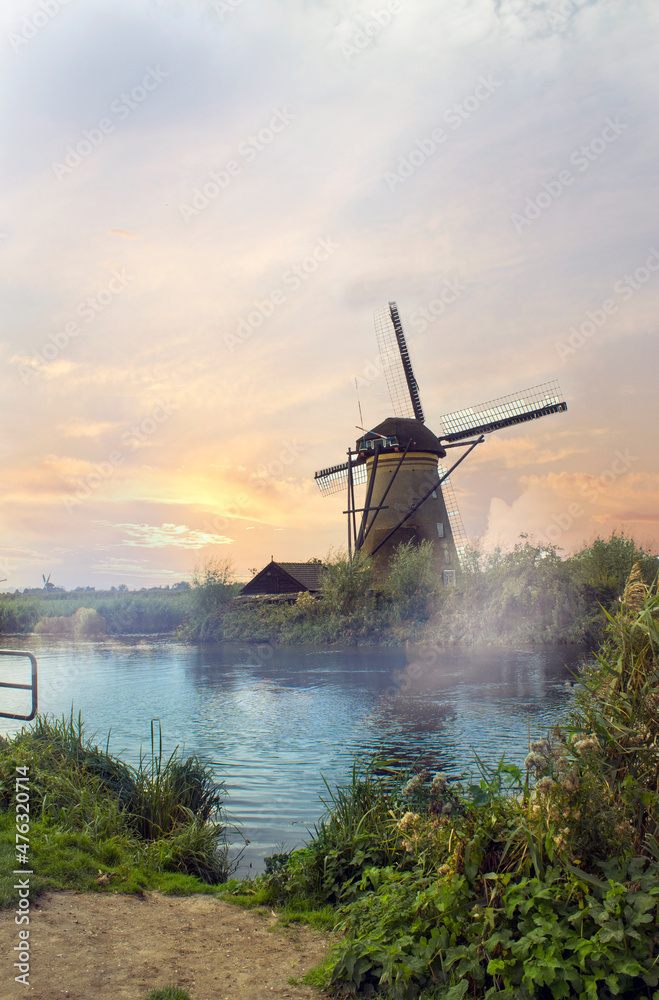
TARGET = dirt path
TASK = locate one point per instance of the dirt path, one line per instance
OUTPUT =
(111, 947)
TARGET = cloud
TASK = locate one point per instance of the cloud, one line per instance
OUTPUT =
(180, 535)
(566, 509)
(86, 430)
(116, 567)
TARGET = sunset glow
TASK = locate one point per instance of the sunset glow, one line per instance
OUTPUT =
(202, 204)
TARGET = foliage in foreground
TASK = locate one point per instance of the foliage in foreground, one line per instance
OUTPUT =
(96, 822)
(529, 595)
(520, 886)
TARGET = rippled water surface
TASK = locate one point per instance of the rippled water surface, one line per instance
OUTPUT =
(273, 721)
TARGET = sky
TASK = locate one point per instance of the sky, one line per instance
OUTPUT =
(201, 206)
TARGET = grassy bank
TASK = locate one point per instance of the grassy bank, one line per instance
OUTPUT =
(95, 822)
(529, 595)
(525, 885)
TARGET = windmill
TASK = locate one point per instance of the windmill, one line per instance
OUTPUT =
(409, 496)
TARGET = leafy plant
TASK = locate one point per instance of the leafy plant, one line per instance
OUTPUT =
(344, 581)
(533, 885)
(413, 584)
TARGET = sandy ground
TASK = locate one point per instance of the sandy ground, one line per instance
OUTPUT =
(88, 946)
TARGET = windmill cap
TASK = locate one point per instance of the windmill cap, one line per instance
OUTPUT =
(405, 430)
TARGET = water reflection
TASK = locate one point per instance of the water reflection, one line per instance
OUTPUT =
(271, 721)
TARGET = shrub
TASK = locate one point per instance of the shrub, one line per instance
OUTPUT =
(213, 585)
(345, 582)
(413, 583)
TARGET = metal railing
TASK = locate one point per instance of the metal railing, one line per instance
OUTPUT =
(23, 687)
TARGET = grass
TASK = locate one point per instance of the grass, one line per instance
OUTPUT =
(168, 993)
(96, 823)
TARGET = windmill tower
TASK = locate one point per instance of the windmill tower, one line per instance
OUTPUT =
(409, 496)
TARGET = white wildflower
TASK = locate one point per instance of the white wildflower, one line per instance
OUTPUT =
(408, 819)
(438, 783)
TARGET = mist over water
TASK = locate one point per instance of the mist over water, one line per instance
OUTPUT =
(272, 721)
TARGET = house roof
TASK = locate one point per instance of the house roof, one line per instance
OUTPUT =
(307, 575)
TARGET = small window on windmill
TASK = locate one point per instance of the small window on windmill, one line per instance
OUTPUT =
(449, 577)
(447, 554)
(434, 493)
(440, 528)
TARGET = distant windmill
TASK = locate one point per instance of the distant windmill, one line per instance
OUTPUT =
(47, 585)
(408, 493)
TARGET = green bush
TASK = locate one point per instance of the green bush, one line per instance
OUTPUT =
(213, 585)
(413, 585)
(529, 595)
(345, 582)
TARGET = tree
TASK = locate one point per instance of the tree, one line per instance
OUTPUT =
(213, 583)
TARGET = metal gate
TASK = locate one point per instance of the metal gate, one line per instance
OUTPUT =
(32, 686)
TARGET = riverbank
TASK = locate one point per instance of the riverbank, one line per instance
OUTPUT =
(530, 596)
(146, 612)
(536, 881)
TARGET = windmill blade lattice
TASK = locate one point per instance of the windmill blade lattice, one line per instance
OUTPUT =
(396, 364)
(528, 404)
(455, 517)
(335, 479)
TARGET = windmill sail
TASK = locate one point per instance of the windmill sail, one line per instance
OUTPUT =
(335, 479)
(407, 497)
(396, 364)
(455, 517)
(528, 404)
